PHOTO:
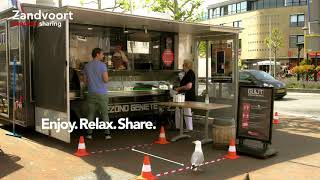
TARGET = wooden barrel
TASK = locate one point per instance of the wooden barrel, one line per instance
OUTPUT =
(222, 131)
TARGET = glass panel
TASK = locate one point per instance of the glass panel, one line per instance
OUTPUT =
(260, 4)
(137, 47)
(221, 11)
(303, 2)
(293, 20)
(293, 41)
(234, 8)
(266, 3)
(295, 2)
(273, 3)
(216, 12)
(244, 76)
(280, 3)
(244, 6)
(4, 100)
(14, 43)
(230, 9)
(301, 20)
(17, 40)
(238, 7)
(300, 38)
(289, 2)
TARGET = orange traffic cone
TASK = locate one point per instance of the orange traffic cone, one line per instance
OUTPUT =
(162, 137)
(81, 148)
(232, 154)
(146, 173)
(276, 119)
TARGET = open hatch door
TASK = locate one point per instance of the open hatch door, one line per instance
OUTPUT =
(51, 74)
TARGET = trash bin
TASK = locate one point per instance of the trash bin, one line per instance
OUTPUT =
(223, 129)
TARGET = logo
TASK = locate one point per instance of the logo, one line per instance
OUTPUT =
(40, 18)
(256, 92)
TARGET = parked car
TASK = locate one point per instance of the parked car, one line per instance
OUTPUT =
(263, 79)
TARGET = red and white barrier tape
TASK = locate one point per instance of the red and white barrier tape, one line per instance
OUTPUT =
(188, 167)
(120, 149)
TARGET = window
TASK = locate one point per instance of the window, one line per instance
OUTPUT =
(295, 2)
(216, 12)
(244, 6)
(244, 76)
(238, 7)
(266, 4)
(273, 3)
(260, 4)
(232, 9)
(297, 20)
(211, 13)
(237, 24)
(224, 10)
(280, 3)
(294, 39)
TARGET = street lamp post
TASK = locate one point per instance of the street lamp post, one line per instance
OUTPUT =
(300, 45)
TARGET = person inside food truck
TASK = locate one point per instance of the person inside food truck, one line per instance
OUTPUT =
(96, 77)
(119, 58)
(187, 86)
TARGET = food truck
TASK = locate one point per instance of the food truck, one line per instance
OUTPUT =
(48, 59)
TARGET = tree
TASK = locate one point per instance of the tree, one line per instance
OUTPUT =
(180, 10)
(274, 42)
(125, 5)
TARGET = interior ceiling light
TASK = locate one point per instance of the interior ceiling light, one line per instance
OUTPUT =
(145, 29)
(90, 29)
(125, 31)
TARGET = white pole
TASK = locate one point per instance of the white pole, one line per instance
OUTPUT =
(157, 157)
(270, 46)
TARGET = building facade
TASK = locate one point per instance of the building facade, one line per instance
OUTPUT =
(258, 18)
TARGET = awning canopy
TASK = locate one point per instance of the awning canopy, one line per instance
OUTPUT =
(121, 20)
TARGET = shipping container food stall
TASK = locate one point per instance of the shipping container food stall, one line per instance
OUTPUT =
(50, 62)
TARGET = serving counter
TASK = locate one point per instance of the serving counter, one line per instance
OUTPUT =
(131, 94)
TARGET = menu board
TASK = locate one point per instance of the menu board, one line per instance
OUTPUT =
(255, 113)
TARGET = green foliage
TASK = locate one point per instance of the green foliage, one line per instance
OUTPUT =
(202, 49)
(305, 62)
(241, 64)
(275, 41)
(121, 4)
(125, 4)
(293, 83)
(180, 10)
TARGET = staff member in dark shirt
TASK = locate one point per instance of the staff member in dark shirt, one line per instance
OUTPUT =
(187, 86)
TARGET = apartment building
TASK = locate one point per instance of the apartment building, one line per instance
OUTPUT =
(258, 18)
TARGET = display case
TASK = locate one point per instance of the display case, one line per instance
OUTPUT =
(4, 90)
(15, 61)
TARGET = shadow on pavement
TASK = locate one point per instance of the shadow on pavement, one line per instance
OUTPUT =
(290, 146)
(8, 164)
(286, 99)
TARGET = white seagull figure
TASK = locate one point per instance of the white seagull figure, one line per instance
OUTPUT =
(197, 157)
